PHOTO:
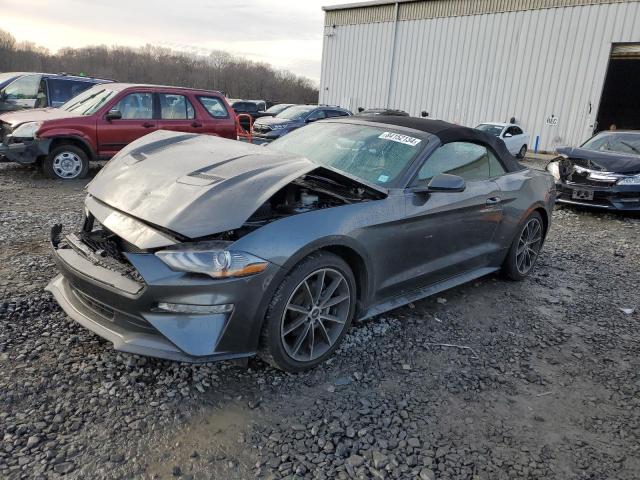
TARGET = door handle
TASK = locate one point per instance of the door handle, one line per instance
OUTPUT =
(493, 201)
(196, 124)
(147, 125)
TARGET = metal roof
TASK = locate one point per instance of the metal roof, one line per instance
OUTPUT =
(385, 10)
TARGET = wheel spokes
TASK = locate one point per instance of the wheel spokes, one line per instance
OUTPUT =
(315, 315)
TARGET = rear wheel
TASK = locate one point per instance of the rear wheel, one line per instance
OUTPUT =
(525, 248)
(66, 162)
(522, 152)
(309, 314)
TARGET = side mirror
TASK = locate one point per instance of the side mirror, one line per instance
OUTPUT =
(447, 183)
(442, 183)
(114, 115)
(507, 135)
(3, 95)
(311, 120)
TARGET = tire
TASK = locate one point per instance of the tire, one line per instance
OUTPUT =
(66, 162)
(515, 267)
(319, 329)
(522, 152)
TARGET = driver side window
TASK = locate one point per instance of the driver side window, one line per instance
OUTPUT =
(317, 115)
(467, 160)
(136, 106)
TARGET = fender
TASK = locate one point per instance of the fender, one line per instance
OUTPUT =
(76, 135)
(319, 244)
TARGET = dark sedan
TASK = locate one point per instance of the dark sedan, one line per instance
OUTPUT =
(238, 249)
(267, 129)
(603, 173)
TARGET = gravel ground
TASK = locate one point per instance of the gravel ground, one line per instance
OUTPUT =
(491, 380)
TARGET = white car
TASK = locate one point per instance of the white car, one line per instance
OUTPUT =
(512, 135)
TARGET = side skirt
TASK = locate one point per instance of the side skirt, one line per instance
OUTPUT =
(424, 292)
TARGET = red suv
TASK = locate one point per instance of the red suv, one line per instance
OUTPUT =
(100, 121)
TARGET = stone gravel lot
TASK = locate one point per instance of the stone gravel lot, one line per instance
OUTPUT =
(538, 379)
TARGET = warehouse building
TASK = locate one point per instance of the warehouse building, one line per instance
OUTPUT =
(561, 68)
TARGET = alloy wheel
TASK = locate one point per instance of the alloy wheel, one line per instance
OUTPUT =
(529, 245)
(67, 165)
(315, 315)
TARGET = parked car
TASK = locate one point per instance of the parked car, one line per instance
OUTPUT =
(237, 249)
(247, 107)
(267, 129)
(100, 121)
(369, 112)
(22, 90)
(516, 140)
(604, 172)
(278, 108)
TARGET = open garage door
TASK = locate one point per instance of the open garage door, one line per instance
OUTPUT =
(620, 102)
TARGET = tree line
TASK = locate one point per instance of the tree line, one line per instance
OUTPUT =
(237, 77)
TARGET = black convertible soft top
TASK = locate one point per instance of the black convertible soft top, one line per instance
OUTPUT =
(449, 132)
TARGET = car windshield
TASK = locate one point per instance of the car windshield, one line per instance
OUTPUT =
(374, 154)
(296, 113)
(88, 102)
(276, 109)
(621, 142)
(494, 130)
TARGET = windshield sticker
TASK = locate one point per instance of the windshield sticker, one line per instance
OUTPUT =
(397, 137)
(383, 178)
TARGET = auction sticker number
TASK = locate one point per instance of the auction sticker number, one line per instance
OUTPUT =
(397, 137)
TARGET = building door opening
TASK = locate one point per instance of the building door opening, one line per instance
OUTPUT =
(620, 102)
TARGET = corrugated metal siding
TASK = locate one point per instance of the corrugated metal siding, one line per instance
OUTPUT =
(445, 8)
(527, 64)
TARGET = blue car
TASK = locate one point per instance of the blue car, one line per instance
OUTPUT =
(267, 129)
(22, 90)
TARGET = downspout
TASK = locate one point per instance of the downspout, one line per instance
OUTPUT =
(392, 60)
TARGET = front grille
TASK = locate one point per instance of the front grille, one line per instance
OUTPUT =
(95, 306)
(582, 178)
(108, 251)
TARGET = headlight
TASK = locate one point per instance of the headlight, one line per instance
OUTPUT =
(554, 169)
(632, 180)
(26, 130)
(212, 259)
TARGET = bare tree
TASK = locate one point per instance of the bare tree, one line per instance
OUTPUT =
(237, 77)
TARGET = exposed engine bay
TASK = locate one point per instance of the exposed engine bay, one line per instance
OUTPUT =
(307, 193)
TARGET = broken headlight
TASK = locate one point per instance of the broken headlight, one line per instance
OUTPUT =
(631, 180)
(26, 130)
(213, 259)
(553, 168)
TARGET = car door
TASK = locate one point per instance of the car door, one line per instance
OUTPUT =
(21, 93)
(511, 139)
(215, 117)
(137, 118)
(177, 113)
(449, 233)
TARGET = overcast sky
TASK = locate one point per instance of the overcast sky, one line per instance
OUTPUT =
(285, 33)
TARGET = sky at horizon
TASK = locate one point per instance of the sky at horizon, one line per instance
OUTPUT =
(287, 35)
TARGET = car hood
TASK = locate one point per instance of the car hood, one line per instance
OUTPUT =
(195, 185)
(277, 121)
(609, 161)
(35, 115)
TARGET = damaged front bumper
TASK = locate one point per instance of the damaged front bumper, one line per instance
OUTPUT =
(26, 151)
(615, 197)
(125, 309)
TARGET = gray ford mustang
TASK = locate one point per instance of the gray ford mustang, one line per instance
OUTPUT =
(196, 248)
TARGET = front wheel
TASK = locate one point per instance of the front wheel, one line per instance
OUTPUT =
(309, 314)
(525, 248)
(66, 162)
(522, 152)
